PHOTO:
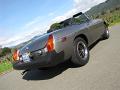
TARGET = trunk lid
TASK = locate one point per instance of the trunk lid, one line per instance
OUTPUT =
(35, 44)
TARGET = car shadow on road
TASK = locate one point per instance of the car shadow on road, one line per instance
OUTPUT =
(48, 74)
(52, 72)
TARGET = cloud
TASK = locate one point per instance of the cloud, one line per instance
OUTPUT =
(78, 6)
(84, 5)
(65, 15)
(31, 29)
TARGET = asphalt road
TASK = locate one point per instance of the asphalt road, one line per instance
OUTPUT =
(101, 73)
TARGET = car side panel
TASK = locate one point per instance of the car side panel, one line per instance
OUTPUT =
(69, 33)
(64, 41)
(92, 30)
(96, 29)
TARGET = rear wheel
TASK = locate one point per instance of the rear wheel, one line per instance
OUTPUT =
(80, 54)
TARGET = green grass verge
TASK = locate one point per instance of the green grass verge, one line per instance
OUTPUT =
(114, 23)
(5, 66)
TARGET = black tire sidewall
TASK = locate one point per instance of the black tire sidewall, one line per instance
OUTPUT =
(106, 34)
(75, 56)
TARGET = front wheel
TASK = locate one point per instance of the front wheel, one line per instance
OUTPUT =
(106, 35)
(80, 54)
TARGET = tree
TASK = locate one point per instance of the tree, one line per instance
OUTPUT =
(5, 51)
(54, 26)
(103, 13)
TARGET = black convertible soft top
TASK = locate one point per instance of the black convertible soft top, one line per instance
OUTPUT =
(69, 19)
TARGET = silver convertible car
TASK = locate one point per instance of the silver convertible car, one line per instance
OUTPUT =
(69, 41)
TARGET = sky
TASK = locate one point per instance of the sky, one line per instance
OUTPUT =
(21, 20)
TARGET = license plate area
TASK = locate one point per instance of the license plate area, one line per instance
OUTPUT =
(26, 57)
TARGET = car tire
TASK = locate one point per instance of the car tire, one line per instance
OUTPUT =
(80, 55)
(106, 34)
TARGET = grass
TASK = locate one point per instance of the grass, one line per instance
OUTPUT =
(5, 66)
(115, 22)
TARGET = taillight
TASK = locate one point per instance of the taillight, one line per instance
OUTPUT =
(16, 55)
(50, 43)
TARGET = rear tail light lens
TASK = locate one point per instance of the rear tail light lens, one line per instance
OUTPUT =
(16, 55)
(50, 43)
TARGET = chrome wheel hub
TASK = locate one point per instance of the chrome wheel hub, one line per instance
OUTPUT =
(82, 50)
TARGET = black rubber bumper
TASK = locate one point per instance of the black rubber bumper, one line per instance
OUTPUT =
(48, 60)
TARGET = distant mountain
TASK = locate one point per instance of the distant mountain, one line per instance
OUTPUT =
(20, 45)
(103, 7)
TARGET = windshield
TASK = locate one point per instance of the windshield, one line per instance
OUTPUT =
(79, 19)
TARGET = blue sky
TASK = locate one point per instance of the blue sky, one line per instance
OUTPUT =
(20, 20)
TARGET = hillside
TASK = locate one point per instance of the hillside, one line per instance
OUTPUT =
(103, 7)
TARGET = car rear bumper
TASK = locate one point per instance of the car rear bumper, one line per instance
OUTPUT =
(49, 60)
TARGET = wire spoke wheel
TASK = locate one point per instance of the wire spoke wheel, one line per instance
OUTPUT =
(82, 50)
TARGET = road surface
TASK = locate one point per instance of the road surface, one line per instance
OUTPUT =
(101, 73)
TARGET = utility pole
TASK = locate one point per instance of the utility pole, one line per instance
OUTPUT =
(0, 48)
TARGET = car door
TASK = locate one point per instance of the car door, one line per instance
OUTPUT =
(94, 32)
